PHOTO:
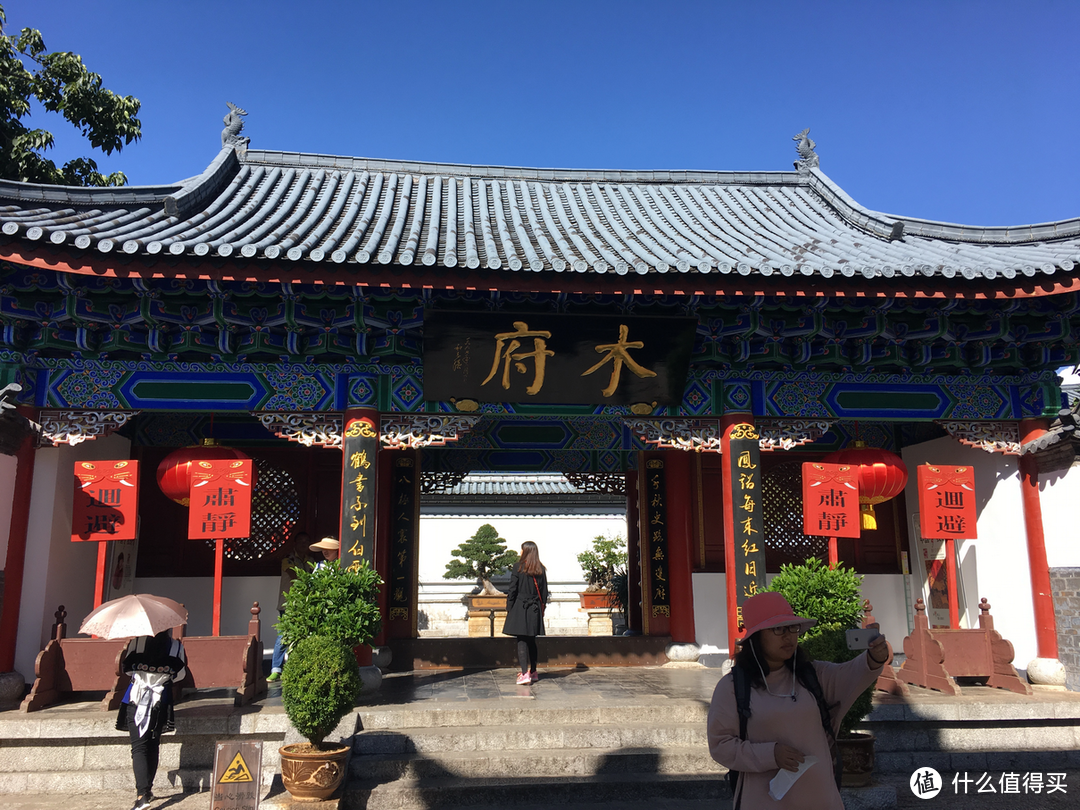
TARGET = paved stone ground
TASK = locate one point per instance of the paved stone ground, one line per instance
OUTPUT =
(568, 687)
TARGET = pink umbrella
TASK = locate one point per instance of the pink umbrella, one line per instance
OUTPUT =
(136, 615)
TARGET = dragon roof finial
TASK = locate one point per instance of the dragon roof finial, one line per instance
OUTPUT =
(808, 159)
(234, 125)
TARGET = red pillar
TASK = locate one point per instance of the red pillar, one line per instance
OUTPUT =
(1045, 623)
(16, 552)
(727, 421)
(633, 553)
(680, 544)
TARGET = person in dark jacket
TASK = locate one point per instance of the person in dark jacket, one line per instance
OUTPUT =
(154, 663)
(526, 599)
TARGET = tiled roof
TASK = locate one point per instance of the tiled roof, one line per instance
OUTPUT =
(519, 488)
(314, 208)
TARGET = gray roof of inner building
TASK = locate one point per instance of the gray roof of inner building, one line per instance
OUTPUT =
(519, 488)
(306, 208)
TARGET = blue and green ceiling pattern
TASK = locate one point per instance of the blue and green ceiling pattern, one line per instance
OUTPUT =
(90, 342)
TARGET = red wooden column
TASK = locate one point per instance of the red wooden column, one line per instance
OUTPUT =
(16, 550)
(633, 552)
(1045, 623)
(361, 506)
(680, 541)
(727, 421)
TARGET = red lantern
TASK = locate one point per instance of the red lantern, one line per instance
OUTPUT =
(174, 471)
(882, 476)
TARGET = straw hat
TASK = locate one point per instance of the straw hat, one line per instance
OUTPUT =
(328, 542)
(770, 609)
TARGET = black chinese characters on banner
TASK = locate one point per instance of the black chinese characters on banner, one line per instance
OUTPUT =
(403, 533)
(744, 456)
(655, 529)
(359, 443)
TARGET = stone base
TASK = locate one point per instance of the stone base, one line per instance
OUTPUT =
(480, 623)
(599, 621)
(683, 652)
(1046, 671)
(371, 678)
(12, 687)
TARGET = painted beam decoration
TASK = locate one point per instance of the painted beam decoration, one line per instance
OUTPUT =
(830, 500)
(403, 537)
(555, 358)
(106, 500)
(220, 499)
(746, 501)
(655, 530)
(360, 443)
(947, 502)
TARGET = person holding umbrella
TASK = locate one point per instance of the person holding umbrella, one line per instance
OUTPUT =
(155, 661)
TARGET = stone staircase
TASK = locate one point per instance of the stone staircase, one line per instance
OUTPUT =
(608, 756)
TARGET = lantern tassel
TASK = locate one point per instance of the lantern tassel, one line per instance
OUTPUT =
(868, 519)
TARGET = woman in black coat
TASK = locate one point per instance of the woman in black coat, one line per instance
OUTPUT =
(526, 600)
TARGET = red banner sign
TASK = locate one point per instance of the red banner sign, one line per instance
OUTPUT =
(106, 500)
(830, 494)
(947, 502)
(220, 499)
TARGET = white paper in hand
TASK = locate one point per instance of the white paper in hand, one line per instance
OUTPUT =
(782, 782)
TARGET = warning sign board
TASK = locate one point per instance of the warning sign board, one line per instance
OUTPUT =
(237, 767)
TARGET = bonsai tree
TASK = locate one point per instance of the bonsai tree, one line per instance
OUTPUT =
(833, 597)
(599, 563)
(319, 687)
(332, 602)
(483, 556)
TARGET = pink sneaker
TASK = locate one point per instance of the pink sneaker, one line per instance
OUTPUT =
(523, 679)
(533, 677)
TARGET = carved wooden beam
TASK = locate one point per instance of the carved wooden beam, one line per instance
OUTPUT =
(401, 431)
(308, 429)
(75, 427)
(993, 437)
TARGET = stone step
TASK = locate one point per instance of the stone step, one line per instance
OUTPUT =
(529, 713)
(604, 790)
(531, 737)
(576, 762)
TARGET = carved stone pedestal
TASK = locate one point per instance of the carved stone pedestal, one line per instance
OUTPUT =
(599, 621)
(480, 608)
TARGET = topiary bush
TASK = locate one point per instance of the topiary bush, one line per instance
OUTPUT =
(319, 686)
(831, 645)
(832, 596)
(334, 602)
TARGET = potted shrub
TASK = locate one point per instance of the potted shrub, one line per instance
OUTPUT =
(599, 565)
(833, 597)
(619, 599)
(329, 612)
(319, 687)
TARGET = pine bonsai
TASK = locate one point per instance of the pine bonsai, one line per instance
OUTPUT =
(483, 556)
(600, 563)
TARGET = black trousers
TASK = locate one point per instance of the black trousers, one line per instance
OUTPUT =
(144, 752)
(526, 650)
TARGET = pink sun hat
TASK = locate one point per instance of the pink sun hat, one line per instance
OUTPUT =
(770, 609)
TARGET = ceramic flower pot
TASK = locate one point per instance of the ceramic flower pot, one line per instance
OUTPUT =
(312, 775)
(857, 755)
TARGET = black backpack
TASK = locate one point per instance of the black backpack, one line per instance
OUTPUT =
(807, 676)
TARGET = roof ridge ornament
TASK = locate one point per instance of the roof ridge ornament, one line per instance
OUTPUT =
(808, 159)
(234, 125)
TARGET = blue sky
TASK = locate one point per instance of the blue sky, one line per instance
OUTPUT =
(948, 110)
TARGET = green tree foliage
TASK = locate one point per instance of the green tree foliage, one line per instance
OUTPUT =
(599, 563)
(832, 596)
(61, 83)
(319, 686)
(330, 601)
(483, 556)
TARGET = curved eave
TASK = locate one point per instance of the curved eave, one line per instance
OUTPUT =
(48, 257)
(316, 212)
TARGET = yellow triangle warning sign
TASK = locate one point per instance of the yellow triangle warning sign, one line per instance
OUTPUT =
(236, 772)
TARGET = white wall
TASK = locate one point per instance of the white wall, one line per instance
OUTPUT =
(995, 565)
(559, 537)
(1059, 496)
(57, 571)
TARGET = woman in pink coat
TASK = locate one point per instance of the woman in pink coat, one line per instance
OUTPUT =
(785, 725)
